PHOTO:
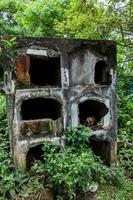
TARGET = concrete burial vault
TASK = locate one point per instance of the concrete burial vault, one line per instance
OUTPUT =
(52, 84)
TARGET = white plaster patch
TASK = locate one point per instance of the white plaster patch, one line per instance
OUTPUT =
(107, 117)
(37, 52)
(81, 70)
(74, 115)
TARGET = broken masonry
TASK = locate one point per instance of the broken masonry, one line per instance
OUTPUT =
(52, 84)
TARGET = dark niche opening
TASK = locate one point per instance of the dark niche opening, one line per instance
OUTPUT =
(91, 112)
(1, 73)
(101, 148)
(102, 75)
(45, 71)
(40, 108)
(35, 153)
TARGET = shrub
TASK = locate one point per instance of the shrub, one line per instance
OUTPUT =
(12, 181)
(75, 169)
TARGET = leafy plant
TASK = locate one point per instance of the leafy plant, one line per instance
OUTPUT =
(75, 168)
(12, 181)
(77, 19)
(77, 138)
(109, 192)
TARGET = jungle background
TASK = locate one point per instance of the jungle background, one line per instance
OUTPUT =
(83, 19)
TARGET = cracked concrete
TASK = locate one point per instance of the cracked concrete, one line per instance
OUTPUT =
(76, 72)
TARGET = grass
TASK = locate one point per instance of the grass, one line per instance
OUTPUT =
(109, 192)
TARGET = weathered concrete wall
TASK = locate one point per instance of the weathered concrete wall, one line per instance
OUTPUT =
(79, 75)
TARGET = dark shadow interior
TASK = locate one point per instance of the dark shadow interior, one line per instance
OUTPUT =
(40, 108)
(44, 72)
(33, 154)
(102, 76)
(1, 73)
(91, 112)
(101, 148)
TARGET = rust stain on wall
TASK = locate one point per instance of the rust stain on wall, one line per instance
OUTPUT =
(22, 69)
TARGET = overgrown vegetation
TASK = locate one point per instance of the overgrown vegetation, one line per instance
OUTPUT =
(12, 182)
(74, 168)
(71, 172)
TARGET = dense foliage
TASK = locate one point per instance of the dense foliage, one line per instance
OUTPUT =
(74, 170)
(13, 183)
(71, 172)
(88, 19)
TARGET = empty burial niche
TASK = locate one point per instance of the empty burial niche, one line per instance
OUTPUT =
(34, 153)
(101, 148)
(91, 113)
(102, 75)
(40, 108)
(45, 71)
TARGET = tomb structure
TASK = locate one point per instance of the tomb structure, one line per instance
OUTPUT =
(52, 84)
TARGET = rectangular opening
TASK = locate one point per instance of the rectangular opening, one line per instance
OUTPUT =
(102, 75)
(45, 71)
(101, 148)
(34, 153)
(40, 117)
(40, 108)
(91, 112)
